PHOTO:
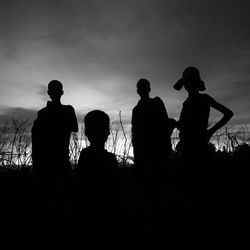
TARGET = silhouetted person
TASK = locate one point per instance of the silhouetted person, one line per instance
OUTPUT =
(151, 131)
(98, 186)
(193, 123)
(51, 133)
(194, 136)
(150, 126)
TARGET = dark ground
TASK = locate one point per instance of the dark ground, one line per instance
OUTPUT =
(222, 224)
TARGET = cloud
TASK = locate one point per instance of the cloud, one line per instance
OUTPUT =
(99, 49)
(43, 92)
(21, 114)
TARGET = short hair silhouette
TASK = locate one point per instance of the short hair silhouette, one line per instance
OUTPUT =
(55, 90)
(55, 85)
(143, 88)
(98, 190)
(97, 126)
(142, 83)
(190, 75)
(51, 133)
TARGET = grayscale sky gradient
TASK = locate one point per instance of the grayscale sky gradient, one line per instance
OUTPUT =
(99, 49)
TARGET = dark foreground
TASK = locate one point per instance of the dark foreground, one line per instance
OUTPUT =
(217, 221)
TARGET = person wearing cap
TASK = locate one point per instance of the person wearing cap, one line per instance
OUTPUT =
(193, 122)
(193, 146)
(51, 133)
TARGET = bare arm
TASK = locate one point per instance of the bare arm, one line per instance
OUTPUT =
(227, 115)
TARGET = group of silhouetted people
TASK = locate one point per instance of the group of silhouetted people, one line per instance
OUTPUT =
(95, 182)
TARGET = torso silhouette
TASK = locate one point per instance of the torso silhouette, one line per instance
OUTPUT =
(50, 138)
(149, 128)
(98, 192)
(97, 176)
(193, 121)
(98, 198)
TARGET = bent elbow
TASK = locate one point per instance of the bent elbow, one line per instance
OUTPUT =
(231, 114)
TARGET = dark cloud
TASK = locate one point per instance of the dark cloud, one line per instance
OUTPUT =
(21, 114)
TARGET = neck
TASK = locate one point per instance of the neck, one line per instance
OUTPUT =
(145, 97)
(56, 102)
(193, 93)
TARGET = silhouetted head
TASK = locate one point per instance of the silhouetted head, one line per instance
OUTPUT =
(143, 88)
(191, 80)
(97, 126)
(55, 90)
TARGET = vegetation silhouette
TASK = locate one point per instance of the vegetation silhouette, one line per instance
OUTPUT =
(51, 133)
(98, 198)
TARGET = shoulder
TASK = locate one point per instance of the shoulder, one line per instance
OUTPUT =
(139, 103)
(68, 111)
(68, 108)
(112, 158)
(85, 151)
(42, 111)
(84, 156)
(137, 106)
(158, 101)
(109, 155)
(39, 122)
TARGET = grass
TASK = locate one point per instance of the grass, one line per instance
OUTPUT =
(227, 209)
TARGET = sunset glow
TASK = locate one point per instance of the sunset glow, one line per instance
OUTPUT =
(99, 49)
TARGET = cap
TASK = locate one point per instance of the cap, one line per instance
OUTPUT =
(190, 74)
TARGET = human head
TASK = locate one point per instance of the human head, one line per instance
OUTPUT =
(143, 88)
(97, 126)
(55, 90)
(190, 80)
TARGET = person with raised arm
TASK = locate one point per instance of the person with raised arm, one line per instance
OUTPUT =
(193, 122)
(193, 146)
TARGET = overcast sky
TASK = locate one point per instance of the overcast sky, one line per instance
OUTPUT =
(99, 49)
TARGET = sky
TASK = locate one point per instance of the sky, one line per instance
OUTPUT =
(99, 49)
